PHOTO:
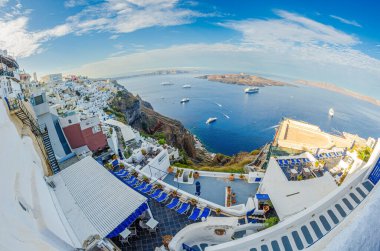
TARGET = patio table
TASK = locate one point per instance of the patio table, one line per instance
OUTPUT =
(152, 223)
(125, 233)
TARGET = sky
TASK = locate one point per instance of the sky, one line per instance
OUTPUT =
(326, 41)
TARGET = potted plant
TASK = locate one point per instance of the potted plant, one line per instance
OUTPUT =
(174, 194)
(177, 173)
(146, 179)
(196, 175)
(231, 177)
(170, 169)
(220, 231)
(134, 173)
(158, 186)
(108, 166)
(218, 211)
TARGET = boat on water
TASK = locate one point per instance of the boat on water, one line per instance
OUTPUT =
(166, 83)
(211, 120)
(184, 100)
(331, 112)
(251, 90)
(186, 86)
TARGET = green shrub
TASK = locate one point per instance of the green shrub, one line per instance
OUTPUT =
(162, 141)
(364, 153)
(255, 152)
(270, 222)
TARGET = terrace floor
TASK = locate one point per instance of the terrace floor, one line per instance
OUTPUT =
(170, 222)
(213, 189)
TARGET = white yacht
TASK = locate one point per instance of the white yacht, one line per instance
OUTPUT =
(184, 100)
(251, 90)
(186, 86)
(331, 112)
(211, 120)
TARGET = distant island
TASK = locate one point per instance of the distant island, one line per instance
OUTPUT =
(334, 88)
(243, 79)
(154, 73)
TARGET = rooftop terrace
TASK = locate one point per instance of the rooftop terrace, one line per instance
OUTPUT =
(213, 189)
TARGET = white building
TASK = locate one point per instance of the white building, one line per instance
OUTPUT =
(47, 116)
(52, 78)
(9, 77)
(128, 133)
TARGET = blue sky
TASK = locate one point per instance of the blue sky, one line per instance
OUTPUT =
(327, 41)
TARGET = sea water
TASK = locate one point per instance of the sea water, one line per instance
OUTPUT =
(247, 121)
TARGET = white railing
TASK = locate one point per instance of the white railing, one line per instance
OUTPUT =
(213, 231)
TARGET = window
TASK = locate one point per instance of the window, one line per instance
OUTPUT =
(38, 100)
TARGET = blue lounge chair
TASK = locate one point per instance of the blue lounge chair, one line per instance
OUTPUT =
(163, 197)
(147, 189)
(119, 172)
(156, 193)
(133, 182)
(195, 214)
(129, 179)
(183, 208)
(173, 203)
(124, 175)
(205, 213)
(122, 172)
(141, 186)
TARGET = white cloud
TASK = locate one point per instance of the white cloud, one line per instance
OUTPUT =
(3, 2)
(120, 16)
(114, 16)
(296, 37)
(113, 37)
(15, 37)
(345, 21)
(74, 3)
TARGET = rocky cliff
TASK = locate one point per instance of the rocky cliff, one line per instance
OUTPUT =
(141, 116)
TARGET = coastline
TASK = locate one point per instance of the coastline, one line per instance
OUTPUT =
(243, 79)
(341, 90)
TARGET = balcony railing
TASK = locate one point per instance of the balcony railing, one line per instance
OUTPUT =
(6, 73)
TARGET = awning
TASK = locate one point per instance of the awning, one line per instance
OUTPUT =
(94, 201)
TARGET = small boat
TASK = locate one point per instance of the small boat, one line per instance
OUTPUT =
(331, 112)
(211, 120)
(186, 86)
(166, 83)
(184, 100)
(251, 90)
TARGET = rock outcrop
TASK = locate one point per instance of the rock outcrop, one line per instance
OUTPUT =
(141, 116)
